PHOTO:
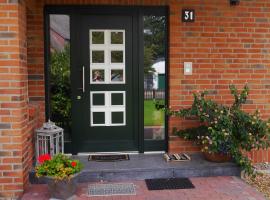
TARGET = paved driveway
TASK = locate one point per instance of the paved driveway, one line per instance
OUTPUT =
(210, 188)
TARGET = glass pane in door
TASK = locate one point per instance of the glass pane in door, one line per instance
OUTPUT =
(59, 74)
(154, 76)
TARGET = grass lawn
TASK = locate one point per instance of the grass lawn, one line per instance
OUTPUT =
(152, 117)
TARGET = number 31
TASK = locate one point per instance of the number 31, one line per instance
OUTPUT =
(188, 15)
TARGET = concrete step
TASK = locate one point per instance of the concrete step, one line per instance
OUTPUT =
(144, 166)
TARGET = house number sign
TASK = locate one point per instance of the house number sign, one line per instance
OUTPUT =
(188, 15)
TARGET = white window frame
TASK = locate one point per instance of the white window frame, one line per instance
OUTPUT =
(107, 47)
(108, 108)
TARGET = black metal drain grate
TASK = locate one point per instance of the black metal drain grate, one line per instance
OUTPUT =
(169, 184)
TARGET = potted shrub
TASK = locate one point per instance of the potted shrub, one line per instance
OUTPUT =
(215, 146)
(61, 174)
(225, 131)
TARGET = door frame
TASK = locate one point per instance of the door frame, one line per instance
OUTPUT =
(138, 11)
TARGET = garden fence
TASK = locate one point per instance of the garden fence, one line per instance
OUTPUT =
(154, 94)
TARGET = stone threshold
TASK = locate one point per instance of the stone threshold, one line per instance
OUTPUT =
(145, 166)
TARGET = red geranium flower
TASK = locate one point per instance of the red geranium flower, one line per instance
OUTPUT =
(73, 164)
(43, 158)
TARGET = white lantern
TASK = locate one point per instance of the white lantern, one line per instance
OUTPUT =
(49, 139)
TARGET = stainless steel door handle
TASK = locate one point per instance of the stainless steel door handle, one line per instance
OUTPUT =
(83, 81)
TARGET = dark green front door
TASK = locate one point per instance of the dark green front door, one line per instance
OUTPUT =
(104, 83)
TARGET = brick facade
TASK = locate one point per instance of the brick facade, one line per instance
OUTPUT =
(226, 44)
(16, 124)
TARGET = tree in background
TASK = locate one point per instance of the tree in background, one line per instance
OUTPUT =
(154, 41)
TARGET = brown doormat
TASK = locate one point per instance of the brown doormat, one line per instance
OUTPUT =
(108, 158)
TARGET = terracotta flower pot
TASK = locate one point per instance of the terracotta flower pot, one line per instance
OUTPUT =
(62, 189)
(217, 157)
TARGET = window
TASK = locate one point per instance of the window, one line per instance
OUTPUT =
(59, 73)
(107, 56)
(154, 76)
(107, 108)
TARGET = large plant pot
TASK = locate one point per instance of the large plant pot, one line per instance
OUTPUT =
(217, 157)
(62, 189)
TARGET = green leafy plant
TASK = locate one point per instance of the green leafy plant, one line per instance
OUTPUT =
(225, 129)
(60, 88)
(60, 167)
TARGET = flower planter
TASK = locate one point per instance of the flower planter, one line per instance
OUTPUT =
(62, 189)
(217, 157)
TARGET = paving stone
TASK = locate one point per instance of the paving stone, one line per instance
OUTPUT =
(210, 188)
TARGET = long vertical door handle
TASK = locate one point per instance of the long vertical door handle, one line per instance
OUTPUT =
(83, 80)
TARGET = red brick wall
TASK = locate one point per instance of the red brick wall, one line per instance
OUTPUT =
(16, 124)
(13, 97)
(227, 44)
